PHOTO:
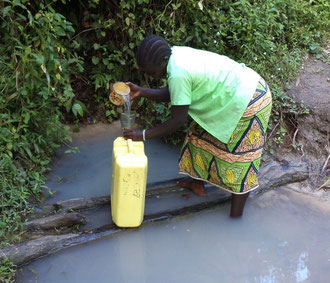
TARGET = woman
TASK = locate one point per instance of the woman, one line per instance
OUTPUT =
(230, 105)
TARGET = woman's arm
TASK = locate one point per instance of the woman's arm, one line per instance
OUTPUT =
(179, 116)
(158, 95)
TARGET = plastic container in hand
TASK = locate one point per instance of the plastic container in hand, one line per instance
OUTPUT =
(129, 179)
(127, 120)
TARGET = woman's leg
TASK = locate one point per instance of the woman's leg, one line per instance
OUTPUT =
(237, 204)
(196, 186)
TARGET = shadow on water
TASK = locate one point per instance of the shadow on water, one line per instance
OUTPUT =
(283, 237)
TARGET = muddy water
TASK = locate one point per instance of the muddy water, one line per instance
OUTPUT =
(88, 172)
(283, 237)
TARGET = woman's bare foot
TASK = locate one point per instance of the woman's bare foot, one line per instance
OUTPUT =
(196, 186)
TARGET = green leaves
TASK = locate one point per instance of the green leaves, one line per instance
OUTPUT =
(60, 31)
(200, 5)
(96, 46)
(37, 62)
(26, 118)
(6, 11)
(95, 60)
(7, 268)
(78, 108)
(40, 59)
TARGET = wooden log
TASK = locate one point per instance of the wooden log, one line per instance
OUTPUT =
(82, 203)
(56, 221)
(33, 249)
(274, 174)
(86, 203)
(271, 175)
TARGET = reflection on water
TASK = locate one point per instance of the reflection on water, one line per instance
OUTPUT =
(302, 272)
(283, 237)
(269, 278)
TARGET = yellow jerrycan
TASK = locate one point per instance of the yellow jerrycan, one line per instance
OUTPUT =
(128, 184)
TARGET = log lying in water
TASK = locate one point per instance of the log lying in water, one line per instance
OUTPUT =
(33, 249)
(56, 221)
(273, 175)
(86, 203)
(270, 177)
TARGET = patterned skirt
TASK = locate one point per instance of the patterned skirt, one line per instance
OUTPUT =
(233, 166)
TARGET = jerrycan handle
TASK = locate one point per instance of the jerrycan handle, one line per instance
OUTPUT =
(130, 146)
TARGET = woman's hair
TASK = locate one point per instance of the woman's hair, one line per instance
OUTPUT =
(152, 51)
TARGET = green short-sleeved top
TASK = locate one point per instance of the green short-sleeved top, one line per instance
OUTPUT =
(217, 88)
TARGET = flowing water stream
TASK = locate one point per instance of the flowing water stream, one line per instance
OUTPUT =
(282, 237)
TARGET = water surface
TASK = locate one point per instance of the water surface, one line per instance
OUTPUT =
(88, 172)
(282, 237)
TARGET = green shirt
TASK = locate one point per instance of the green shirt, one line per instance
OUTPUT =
(217, 88)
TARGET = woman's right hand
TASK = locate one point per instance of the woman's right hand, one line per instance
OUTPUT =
(135, 90)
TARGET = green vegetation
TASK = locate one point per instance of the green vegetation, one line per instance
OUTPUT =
(58, 59)
(7, 271)
(36, 65)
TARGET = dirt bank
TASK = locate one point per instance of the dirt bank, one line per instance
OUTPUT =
(309, 139)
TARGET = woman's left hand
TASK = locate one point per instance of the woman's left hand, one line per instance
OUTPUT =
(134, 134)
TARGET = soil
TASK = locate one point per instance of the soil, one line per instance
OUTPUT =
(309, 141)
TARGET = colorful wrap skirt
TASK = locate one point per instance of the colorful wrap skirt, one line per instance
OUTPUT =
(233, 166)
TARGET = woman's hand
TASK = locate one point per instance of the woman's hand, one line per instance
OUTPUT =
(134, 134)
(135, 90)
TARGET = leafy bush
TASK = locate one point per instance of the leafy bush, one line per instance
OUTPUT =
(7, 271)
(37, 60)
